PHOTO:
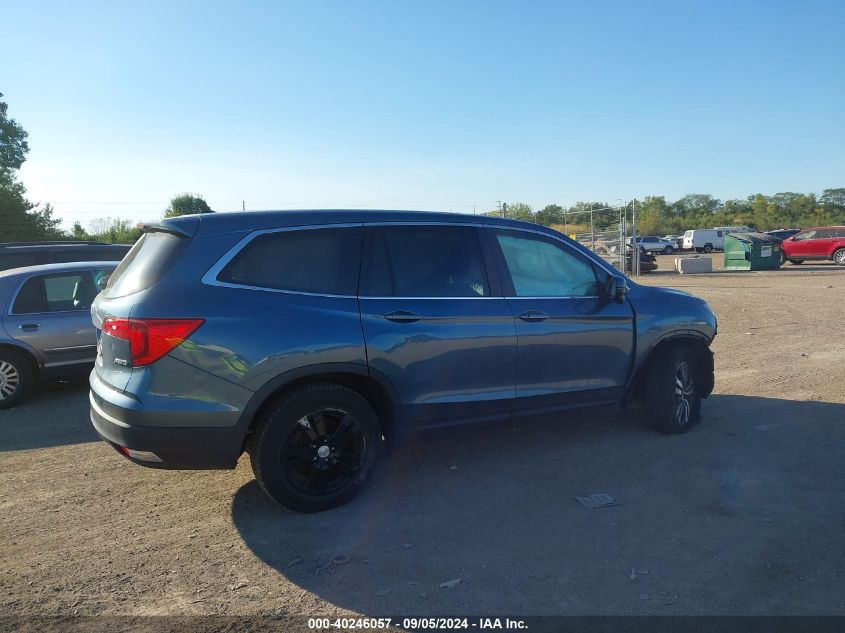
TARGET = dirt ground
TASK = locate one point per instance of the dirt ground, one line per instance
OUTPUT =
(744, 515)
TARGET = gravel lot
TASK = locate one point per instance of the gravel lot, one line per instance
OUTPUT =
(744, 515)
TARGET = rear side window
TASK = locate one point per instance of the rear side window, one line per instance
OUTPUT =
(424, 261)
(145, 264)
(319, 261)
(55, 293)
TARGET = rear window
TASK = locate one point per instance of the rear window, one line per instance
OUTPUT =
(145, 264)
(319, 261)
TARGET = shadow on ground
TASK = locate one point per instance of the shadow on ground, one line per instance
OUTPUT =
(55, 414)
(742, 515)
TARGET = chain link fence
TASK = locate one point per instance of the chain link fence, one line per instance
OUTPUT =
(605, 239)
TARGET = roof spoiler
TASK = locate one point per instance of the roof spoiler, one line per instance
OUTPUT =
(180, 227)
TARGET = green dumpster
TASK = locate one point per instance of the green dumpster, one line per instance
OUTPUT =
(751, 251)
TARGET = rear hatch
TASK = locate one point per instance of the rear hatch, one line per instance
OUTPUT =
(144, 266)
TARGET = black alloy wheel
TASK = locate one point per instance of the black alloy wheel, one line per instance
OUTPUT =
(316, 447)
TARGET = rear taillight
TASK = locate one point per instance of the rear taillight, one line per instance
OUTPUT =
(150, 339)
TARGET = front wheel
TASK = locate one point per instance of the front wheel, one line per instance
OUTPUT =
(668, 250)
(672, 397)
(839, 257)
(16, 378)
(708, 248)
(316, 448)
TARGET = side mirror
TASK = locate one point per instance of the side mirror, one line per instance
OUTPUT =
(618, 288)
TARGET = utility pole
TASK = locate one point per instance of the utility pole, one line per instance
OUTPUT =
(592, 230)
(505, 210)
(243, 205)
(634, 235)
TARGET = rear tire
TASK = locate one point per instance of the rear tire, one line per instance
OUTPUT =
(708, 248)
(672, 395)
(839, 257)
(797, 262)
(316, 448)
(16, 377)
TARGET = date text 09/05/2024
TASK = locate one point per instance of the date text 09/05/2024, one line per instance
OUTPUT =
(416, 623)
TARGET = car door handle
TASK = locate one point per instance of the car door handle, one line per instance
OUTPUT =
(534, 315)
(28, 327)
(402, 316)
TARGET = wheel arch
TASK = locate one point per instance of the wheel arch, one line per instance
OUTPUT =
(28, 355)
(696, 342)
(371, 385)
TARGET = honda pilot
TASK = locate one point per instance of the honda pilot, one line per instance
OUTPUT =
(311, 340)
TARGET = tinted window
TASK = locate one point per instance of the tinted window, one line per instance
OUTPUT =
(55, 293)
(323, 261)
(25, 258)
(424, 261)
(543, 267)
(824, 234)
(31, 297)
(839, 232)
(145, 263)
(807, 235)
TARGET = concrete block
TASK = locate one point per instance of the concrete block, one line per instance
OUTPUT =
(693, 265)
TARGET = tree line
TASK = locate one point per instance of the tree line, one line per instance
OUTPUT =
(657, 216)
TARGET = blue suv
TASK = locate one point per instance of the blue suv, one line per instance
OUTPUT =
(311, 339)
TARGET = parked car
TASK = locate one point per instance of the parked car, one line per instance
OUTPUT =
(782, 234)
(648, 262)
(653, 244)
(45, 323)
(824, 242)
(20, 254)
(311, 339)
(677, 240)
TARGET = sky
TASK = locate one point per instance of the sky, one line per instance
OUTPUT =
(446, 105)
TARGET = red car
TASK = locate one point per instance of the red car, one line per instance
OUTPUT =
(825, 242)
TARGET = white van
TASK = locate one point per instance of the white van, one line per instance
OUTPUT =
(706, 240)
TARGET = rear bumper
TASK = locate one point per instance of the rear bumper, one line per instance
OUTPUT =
(116, 418)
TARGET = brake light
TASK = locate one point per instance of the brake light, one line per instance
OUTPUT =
(150, 339)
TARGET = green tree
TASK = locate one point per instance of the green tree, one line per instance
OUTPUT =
(112, 231)
(20, 219)
(13, 145)
(696, 205)
(833, 199)
(653, 214)
(550, 214)
(78, 232)
(519, 211)
(187, 204)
